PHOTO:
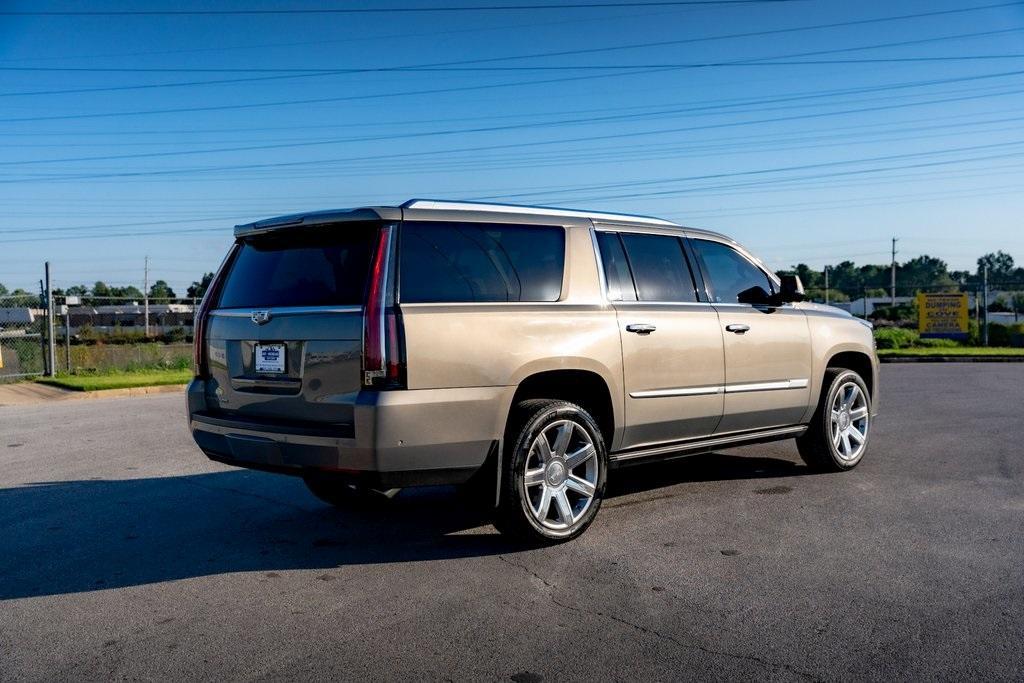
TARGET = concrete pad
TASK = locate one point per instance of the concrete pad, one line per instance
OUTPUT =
(29, 393)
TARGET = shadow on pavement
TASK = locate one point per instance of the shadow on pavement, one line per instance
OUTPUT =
(66, 537)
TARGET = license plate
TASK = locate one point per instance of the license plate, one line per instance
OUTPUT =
(270, 358)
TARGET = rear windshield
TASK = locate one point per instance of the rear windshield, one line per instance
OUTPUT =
(327, 267)
(481, 262)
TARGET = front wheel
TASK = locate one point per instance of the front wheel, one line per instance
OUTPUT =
(838, 435)
(555, 472)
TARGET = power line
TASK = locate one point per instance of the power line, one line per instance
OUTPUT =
(383, 10)
(802, 95)
(747, 34)
(757, 183)
(444, 65)
(516, 145)
(716, 176)
(780, 169)
(516, 126)
(623, 70)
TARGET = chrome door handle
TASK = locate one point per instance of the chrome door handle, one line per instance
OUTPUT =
(640, 328)
(738, 329)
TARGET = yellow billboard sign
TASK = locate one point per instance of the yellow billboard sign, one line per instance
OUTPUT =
(942, 315)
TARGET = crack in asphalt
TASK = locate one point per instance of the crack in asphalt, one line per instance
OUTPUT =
(654, 632)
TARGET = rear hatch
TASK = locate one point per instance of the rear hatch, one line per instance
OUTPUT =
(284, 338)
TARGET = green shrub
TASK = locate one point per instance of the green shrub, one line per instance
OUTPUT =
(998, 335)
(937, 343)
(973, 333)
(895, 338)
(174, 335)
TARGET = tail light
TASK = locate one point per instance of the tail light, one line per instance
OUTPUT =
(199, 366)
(383, 352)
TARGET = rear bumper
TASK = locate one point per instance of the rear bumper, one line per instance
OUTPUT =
(397, 438)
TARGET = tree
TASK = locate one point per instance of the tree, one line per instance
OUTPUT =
(3, 290)
(1000, 305)
(1000, 265)
(161, 290)
(78, 290)
(923, 271)
(129, 292)
(100, 288)
(197, 289)
(1017, 304)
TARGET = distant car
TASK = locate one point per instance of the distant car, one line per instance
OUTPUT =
(521, 351)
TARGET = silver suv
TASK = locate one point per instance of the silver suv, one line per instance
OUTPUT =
(522, 352)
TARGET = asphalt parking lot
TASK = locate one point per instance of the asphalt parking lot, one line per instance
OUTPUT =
(126, 554)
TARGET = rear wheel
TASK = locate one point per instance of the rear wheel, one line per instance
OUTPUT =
(555, 472)
(838, 435)
(343, 494)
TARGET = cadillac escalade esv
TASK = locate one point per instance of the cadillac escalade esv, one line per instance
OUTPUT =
(524, 352)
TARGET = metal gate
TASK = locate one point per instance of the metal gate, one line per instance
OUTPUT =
(22, 344)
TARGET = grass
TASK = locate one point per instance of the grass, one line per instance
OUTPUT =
(119, 380)
(954, 351)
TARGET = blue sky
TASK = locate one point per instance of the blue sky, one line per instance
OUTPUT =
(909, 127)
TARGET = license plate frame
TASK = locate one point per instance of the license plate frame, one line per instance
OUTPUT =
(270, 359)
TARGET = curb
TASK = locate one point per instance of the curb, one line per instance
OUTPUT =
(47, 393)
(951, 359)
(129, 391)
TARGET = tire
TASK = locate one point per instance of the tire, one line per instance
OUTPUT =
(567, 472)
(343, 494)
(841, 427)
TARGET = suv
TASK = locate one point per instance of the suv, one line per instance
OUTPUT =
(522, 352)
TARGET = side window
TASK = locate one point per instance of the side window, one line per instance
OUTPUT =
(729, 271)
(616, 269)
(659, 267)
(471, 262)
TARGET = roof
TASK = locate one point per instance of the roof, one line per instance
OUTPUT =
(426, 208)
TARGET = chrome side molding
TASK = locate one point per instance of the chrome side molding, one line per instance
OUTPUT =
(703, 444)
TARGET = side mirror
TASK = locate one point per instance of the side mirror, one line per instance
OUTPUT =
(792, 289)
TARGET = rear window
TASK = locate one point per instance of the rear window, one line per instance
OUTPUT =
(480, 262)
(659, 267)
(327, 267)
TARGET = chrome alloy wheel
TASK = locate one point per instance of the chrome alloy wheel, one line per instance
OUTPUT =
(561, 475)
(848, 424)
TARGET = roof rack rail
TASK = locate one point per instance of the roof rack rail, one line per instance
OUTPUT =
(444, 205)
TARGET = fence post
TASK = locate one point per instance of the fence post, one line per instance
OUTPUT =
(50, 346)
(42, 328)
(67, 337)
(984, 330)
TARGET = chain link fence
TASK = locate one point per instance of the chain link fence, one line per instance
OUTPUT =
(103, 334)
(22, 340)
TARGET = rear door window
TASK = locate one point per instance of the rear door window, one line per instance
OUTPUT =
(728, 271)
(323, 267)
(480, 262)
(659, 267)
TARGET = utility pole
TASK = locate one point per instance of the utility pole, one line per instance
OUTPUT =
(145, 297)
(50, 351)
(892, 285)
(826, 285)
(984, 305)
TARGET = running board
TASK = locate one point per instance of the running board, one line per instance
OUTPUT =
(686, 447)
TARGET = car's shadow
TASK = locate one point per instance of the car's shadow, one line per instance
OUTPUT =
(73, 536)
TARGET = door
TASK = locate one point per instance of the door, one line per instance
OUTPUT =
(672, 359)
(767, 348)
